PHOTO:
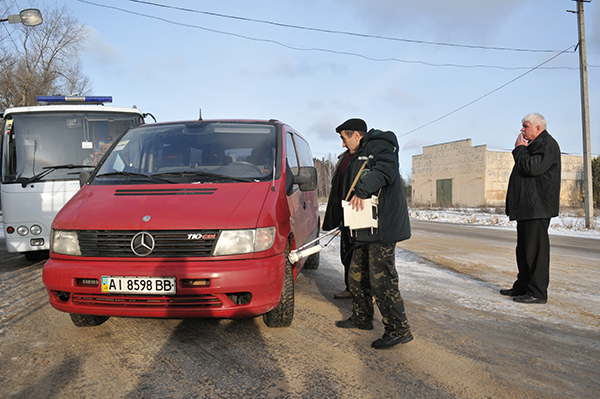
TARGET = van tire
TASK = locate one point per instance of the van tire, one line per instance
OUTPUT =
(86, 320)
(312, 262)
(283, 314)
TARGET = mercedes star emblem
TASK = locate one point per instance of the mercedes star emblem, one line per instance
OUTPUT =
(142, 244)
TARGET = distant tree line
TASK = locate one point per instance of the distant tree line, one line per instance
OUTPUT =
(325, 169)
(41, 60)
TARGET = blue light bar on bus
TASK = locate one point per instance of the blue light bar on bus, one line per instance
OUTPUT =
(74, 99)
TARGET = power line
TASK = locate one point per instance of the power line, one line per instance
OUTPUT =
(529, 69)
(316, 49)
(330, 31)
(487, 94)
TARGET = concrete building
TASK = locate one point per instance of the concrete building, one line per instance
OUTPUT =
(458, 174)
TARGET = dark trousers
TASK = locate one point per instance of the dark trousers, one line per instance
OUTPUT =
(533, 257)
(373, 274)
(345, 252)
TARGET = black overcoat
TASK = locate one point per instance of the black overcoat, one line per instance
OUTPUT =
(334, 215)
(534, 184)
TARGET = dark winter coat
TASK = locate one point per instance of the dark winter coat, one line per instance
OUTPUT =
(534, 184)
(334, 215)
(382, 172)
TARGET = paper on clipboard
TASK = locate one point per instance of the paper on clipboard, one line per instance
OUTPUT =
(361, 219)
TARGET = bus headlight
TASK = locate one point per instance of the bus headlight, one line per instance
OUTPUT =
(234, 242)
(35, 230)
(65, 242)
(22, 230)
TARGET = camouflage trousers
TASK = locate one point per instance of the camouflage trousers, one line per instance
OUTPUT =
(372, 274)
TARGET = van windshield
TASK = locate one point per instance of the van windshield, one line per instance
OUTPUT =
(192, 152)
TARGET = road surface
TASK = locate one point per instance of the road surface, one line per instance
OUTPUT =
(470, 342)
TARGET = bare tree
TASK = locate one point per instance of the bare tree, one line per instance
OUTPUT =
(43, 60)
(325, 169)
(5, 6)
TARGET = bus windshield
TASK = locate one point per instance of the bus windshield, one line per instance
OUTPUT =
(34, 143)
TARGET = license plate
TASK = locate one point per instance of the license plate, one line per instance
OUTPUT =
(138, 285)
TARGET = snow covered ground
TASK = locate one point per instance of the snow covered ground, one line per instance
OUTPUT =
(475, 288)
(467, 297)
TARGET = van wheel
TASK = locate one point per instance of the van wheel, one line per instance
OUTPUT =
(86, 320)
(312, 262)
(283, 314)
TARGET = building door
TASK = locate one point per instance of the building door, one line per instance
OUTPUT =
(443, 192)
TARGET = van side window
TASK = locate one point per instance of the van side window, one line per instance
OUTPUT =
(303, 152)
(290, 151)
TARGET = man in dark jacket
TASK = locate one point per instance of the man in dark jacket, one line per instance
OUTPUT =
(334, 216)
(372, 271)
(532, 199)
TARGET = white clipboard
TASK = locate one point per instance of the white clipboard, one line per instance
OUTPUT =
(361, 219)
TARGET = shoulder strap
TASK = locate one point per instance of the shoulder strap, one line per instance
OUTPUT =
(356, 179)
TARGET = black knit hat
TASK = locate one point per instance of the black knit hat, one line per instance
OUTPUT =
(354, 124)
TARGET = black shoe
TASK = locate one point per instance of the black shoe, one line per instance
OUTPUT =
(349, 323)
(388, 341)
(528, 299)
(510, 292)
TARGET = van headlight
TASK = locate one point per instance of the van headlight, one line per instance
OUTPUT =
(65, 242)
(234, 242)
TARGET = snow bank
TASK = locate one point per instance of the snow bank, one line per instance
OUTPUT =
(566, 224)
(562, 224)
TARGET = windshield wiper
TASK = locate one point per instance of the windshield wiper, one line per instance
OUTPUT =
(49, 169)
(206, 174)
(136, 175)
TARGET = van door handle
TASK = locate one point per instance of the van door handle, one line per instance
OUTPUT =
(304, 205)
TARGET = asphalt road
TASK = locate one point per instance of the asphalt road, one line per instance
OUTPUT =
(558, 242)
(470, 342)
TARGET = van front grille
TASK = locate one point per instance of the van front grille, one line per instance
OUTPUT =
(167, 243)
(205, 300)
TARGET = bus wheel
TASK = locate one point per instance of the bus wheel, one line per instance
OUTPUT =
(36, 256)
(283, 314)
(86, 320)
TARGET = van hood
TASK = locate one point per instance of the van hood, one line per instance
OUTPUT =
(162, 207)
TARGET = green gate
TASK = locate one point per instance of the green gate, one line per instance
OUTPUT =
(443, 192)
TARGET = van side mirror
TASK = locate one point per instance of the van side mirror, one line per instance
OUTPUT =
(83, 178)
(306, 179)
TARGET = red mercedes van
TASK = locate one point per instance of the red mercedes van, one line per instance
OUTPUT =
(187, 219)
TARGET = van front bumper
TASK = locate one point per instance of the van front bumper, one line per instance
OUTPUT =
(229, 289)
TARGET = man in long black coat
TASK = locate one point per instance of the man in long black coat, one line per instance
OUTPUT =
(532, 199)
(334, 216)
(372, 271)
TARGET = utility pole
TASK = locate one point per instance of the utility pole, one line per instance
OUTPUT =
(585, 115)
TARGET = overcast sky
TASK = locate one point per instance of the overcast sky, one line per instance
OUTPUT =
(400, 65)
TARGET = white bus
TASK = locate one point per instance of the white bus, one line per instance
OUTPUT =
(44, 149)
